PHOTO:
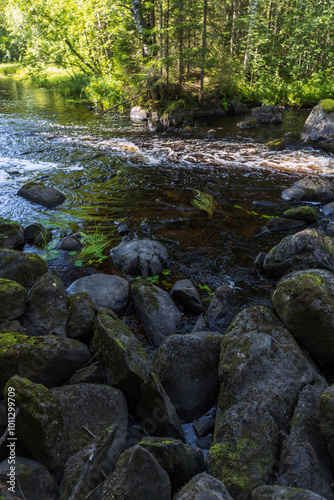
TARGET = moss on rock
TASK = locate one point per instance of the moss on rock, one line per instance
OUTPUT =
(327, 105)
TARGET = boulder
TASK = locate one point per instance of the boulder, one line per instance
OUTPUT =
(185, 293)
(220, 308)
(262, 371)
(304, 460)
(204, 426)
(328, 209)
(267, 114)
(39, 424)
(248, 123)
(13, 299)
(304, 301)
(137, 476)
(306, 249)
(48, 360)
(313, 189)
(157, 311)
(70, 244)
(43, 195)
(181, 462)
(188, 368)
(47, 312)
(239, 108)
(281, 224)
(92, 374)
(140, 257)
(33, 480)
(326, 418)
(11, 326)
(36, 234)
(24, 268)
(319, 126)
(284, 493)
(204, 487)
(81, 317)
(105, 290)
(11, 234)
(90, 406)
(284, 143)
(139, 114)
(305, 213)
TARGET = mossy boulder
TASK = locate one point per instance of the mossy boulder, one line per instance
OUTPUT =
(42, 195)
(305, 303)
(283, 143)
(326, 418)
(304, 460)
(284, 493)
(33, 480)
(188, 368)
(39, 424)
(137, 476)
(313, 189)
(319, 126)
(94, 407)
(181, 462)
(306, 249)
(13, 299)
(248, 123)
(204, 487)
(11, 234)
(157, 311)
(48, 360)
(47, 312)
(81, 317)
(304, 213)
(105, 290)
(245, 448)
(20, 267)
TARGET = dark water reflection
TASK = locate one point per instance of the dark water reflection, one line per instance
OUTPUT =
(113, 171)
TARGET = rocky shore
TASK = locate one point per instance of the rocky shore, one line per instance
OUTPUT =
(97, 417)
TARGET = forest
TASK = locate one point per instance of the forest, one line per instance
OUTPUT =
(257, 51)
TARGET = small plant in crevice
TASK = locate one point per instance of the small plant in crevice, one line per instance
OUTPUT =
(156, 278)
(94, 244)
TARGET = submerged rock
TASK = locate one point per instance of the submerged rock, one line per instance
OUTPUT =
(105, 290)
(181, 462)
(188, 368)
(319, 126)
(306, 249)
(13, 299)
(39, 424)
(11, 234)
(20, 267)
(157, 311)
(313, 189)
(140, 257)
(43, 195)
(204, 487)
(280, 224)
(305, 303)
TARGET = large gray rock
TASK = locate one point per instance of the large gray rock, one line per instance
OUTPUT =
(185, 293)
(139, 114)
(105, 290)
(181, 462)
(81, 317)
(157, 311)
(39, 424)
(140, 257)
(306, 249)
(11, 234)
(262, 370)
(47, 312)
(326, 418)
(24, 268)
(90, 406)
(137, 476)
(13, 299)
(43, 195)
(284, 493)
(304, 459)
(313, 189)
(305, 303)
(188, 368)
(32, 479)
(204, 487)
(48, 360)
(319, 126)
(267, 114)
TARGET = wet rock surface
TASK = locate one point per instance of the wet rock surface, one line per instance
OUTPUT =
(43, 195)
(140, 257)
(313, 189)
(319, 126)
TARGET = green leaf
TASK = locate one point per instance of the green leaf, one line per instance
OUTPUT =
(78, 263)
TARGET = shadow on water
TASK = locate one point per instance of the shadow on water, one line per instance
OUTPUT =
(113, 171)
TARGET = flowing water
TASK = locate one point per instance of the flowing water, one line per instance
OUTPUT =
(113, 171)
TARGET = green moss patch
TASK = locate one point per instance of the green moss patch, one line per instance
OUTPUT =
(327, 105)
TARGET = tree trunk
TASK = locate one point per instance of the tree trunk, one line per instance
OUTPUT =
(204, 40)
(252, 11)
(141, 25)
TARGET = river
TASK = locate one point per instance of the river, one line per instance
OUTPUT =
(113, 171)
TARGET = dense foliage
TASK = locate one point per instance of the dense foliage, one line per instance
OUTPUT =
(257, 50)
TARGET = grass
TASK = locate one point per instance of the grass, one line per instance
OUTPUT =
(95, 244)
(9, 69)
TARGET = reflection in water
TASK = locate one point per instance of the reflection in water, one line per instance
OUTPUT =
(112, 171)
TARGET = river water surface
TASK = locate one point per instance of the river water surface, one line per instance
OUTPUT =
(113, 171)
